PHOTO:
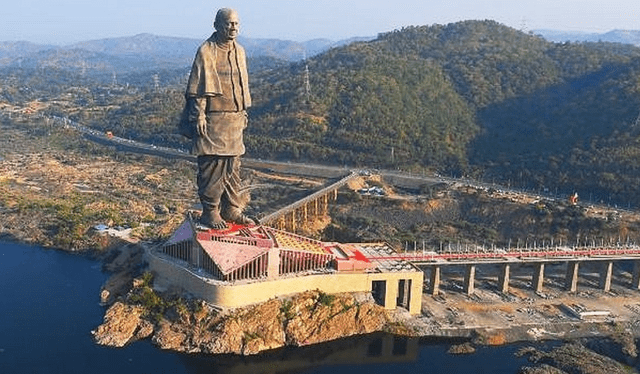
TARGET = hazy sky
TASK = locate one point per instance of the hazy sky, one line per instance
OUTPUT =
(68, 21)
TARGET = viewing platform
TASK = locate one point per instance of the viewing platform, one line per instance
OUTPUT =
(244, 265)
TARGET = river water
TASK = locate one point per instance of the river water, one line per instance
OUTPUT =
(49, 305)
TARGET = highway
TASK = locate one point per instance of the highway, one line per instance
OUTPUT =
(393, 177)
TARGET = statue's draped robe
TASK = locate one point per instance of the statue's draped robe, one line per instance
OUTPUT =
(218, 93)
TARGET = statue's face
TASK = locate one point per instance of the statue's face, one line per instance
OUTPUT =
(229, 27)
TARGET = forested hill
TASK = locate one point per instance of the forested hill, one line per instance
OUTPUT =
(470, 97)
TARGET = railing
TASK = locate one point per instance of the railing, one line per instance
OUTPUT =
(181, 250)
(296, 261)
(256, 242)
(515, 254)
(316, 195)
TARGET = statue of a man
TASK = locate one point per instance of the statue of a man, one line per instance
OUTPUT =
(217, 98)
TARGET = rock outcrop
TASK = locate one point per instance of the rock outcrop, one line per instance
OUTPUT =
(122, 324)
(462, 349)
(572, 358)
(307, 318)
(317, 317)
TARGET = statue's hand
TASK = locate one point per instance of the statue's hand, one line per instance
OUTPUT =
(202, 126)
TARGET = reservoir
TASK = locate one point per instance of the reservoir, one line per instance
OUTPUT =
(49, 303)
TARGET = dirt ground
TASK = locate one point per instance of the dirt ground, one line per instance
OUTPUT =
(535, 316)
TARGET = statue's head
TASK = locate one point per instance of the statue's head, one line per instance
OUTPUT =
(227, 24)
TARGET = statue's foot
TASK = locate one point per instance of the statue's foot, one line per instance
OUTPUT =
(242, 219)
(210, 219)
(212, 225)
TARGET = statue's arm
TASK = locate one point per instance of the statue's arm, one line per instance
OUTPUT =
(197, 114)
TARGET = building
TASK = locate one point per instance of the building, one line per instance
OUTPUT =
(244, 265)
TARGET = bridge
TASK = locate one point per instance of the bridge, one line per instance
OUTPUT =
(573, 256)
(306, 209)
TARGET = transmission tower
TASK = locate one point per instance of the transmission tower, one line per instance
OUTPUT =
(307, 85)
(156, 82)
(523, 25)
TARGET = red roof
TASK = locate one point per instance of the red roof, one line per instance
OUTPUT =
(229, 256)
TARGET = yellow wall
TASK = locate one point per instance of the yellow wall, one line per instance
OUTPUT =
(170, 274)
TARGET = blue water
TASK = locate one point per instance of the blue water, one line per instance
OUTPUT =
(49, 305)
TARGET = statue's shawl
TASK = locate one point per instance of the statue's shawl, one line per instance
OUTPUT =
(204, 80)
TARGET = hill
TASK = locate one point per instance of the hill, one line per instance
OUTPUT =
(614, 36)
(472, 97)
(144, 52)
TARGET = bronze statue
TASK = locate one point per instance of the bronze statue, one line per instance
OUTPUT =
(217, 98)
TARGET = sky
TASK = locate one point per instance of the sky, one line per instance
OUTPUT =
(64, 22)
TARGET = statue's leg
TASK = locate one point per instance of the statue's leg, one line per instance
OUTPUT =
(233, 200)
(210, 190)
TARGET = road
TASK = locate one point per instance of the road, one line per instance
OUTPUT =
(396, 178)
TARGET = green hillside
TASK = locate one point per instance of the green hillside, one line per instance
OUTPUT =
(473, 97)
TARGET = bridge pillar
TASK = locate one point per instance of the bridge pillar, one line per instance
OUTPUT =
(391, 295)
(635, 281)
(293, 221)
(503, 278)
(605, 276)
(571, 280)
(273, 263)
(325, 205)
(415, 295)
(435, 280)
(538, 277)
(305, 214)
(470, 279)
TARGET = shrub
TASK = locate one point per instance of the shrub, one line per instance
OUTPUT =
(325, 299)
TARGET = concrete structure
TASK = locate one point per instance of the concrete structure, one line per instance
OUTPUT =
(250, 264)
(580, 312)
(470, 279)
(538, 257)
(606, 275)
(571, 282)
(538, 277)
(435, 280)
(635, 281)
(503, 278)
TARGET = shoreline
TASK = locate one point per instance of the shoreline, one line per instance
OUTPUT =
(595, 340)
(617, 328)
(179, 326)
